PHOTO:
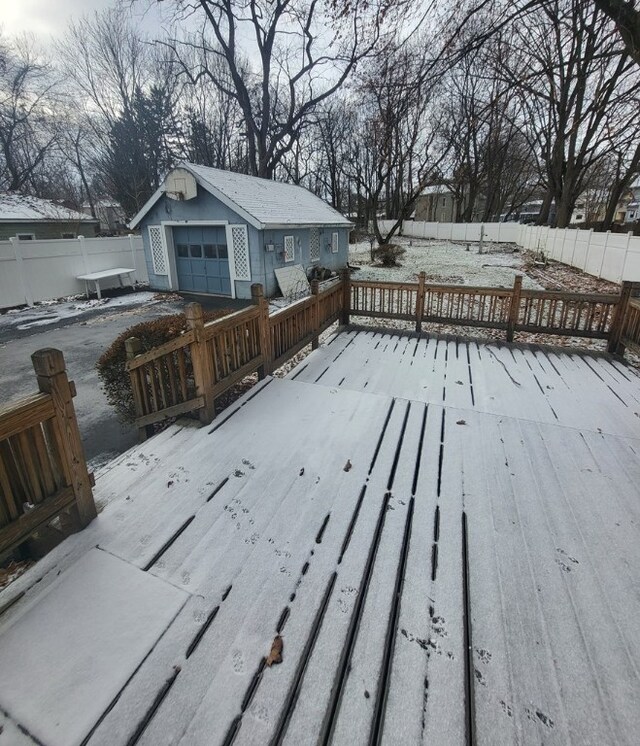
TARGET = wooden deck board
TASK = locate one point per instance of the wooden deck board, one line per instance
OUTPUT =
(257, 519)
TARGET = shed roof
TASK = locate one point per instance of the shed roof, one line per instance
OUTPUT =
(261, 202)
(22, 208)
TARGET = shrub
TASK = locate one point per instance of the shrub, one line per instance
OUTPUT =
(111, 364)
(388, 254)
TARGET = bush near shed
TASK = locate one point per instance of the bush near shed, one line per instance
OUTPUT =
(111, 365)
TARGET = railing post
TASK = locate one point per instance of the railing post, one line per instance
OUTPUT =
(201, 361)
(315, 287)
(133, 347)
(345, 277)
(615, 345)
(52, 379)
(514, 309)
(257, 295)
(420, 301)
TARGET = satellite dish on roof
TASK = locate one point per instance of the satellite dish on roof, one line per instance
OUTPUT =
(180, 185)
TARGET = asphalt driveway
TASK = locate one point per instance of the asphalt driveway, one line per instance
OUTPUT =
(82, 330)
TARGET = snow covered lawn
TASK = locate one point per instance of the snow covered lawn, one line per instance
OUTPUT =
(445, 263)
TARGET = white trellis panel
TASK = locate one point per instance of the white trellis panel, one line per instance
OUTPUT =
(159, 257)
(289, 248)
(334, 243)
(240, 249)
(314, 245)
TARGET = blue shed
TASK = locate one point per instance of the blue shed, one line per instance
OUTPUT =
(211, 231)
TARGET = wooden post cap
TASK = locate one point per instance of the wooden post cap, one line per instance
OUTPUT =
(257, 291)
(48, 362)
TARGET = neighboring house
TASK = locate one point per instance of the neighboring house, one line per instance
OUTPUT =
(31, 218)
(632, 212)
(436, 204)
(218, 232)
(110, 215)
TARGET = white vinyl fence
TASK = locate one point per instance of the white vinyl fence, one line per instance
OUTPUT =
(612, 256)
(32, 271)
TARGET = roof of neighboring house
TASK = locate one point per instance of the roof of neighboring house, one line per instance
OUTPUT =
(22, 208)
(261, 202)
(440, 189)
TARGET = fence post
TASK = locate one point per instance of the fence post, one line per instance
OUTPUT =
(420, 301)
(133, 347)
(514, 309)
(132, 246)
(615, 345)
(626, 255)
(604, 252)
(315, 288)
(201, 361)
(257, 295)
(17, 252)
(83, 252)
(345, 277)
(52, 379)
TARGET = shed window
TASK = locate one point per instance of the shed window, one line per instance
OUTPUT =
(69, 235)
(26, 236)
(183, 250)
(289, 248)
(195, 249)
(334, 242)
(210, 251)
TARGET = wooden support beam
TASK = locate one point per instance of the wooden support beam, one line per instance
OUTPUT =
(420, 301)
(52, 379)
(315, 286)
(514, 308)
(257, 295)
(615, 345)
(345, 277)
(203, 374)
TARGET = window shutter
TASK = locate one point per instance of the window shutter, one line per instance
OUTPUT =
(159, 258)
(289, 248)
(334, 243)
(240, 249)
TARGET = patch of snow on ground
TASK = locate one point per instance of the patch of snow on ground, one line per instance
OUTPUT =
(446, 263)
(46, 313)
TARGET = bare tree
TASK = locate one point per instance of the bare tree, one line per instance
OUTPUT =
(395, 157)
(27, 95)
(302, 54)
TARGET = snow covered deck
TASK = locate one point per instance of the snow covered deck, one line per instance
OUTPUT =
(445, 534)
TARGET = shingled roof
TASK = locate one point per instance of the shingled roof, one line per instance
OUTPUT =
(262, 202)
(17, 208)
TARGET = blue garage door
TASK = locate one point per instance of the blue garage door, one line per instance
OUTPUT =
(202, 259)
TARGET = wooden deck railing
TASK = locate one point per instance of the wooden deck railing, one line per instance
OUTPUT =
(190, 372)
(630, 336)
(513, 309)
(43, 473)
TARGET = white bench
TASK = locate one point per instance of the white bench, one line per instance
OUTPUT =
(103, 275)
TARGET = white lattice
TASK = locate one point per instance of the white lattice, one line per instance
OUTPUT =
(289, 248)
(240, 248)
(314, 245)
(334, 243)
(158, 250)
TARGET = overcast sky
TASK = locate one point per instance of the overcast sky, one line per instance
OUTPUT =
(47, 18)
